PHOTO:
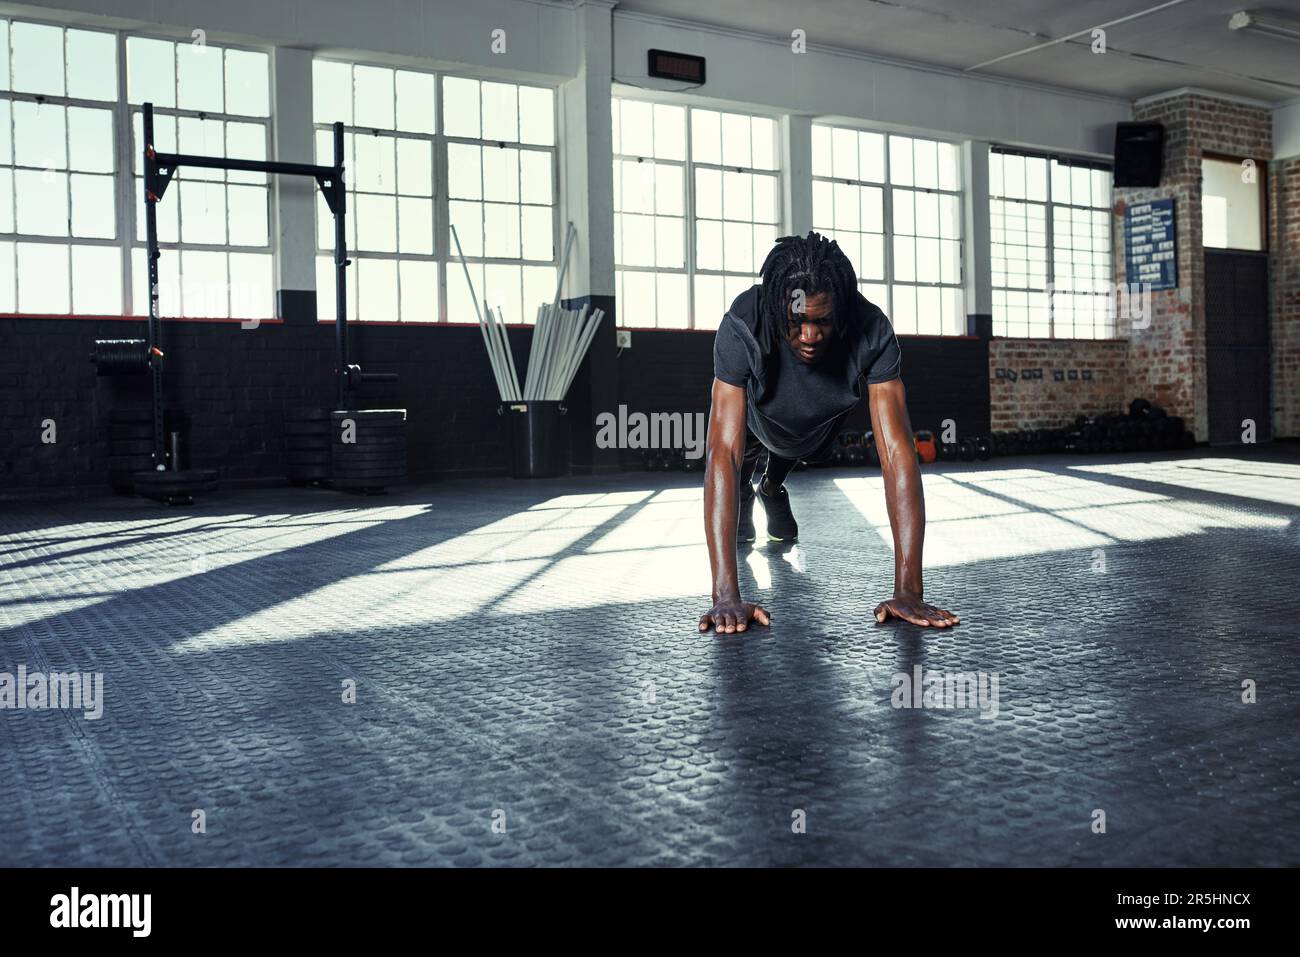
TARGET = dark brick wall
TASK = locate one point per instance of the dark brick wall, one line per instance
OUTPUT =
(236, 384)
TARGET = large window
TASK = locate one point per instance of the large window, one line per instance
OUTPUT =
(695, 210)
(59, 229)
(213, 225)
(893, 204)
(497, 147)
(1049, 224)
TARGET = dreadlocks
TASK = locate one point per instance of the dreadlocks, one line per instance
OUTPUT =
(813, 264)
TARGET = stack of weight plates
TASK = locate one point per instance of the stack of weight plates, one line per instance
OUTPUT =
(367, 448)
(307, 441)
(130, 443)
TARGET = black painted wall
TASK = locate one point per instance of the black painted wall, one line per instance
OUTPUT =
(236, 385)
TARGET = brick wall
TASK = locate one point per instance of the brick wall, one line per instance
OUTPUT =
(1166, 360)
(1284, 242)
(1025, 392)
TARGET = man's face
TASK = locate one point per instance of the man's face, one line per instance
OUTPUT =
(810, 332)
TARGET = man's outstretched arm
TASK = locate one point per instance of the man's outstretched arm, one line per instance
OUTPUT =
(722, 462)
(905, 503)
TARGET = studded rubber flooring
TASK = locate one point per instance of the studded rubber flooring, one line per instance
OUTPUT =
(530, 688)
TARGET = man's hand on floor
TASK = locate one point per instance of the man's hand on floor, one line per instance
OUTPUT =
(733, 615)
(915, 609)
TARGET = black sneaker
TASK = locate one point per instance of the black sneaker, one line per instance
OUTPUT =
(781, 526)
(745, 520)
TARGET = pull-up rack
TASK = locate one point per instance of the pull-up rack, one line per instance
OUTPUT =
(158, 171)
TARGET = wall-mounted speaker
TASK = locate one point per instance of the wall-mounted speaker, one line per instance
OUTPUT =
(1139, 154)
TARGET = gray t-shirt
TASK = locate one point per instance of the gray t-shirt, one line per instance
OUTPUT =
(793, 407)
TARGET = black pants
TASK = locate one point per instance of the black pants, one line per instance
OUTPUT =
(778, 468)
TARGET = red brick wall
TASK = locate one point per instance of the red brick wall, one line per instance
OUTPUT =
(1284, 242)
(1044, 403)
(1166, 360)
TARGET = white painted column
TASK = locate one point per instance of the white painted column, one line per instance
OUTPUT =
(293, 197)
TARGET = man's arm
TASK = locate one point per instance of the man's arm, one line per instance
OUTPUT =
(722, 461)
(905, 503)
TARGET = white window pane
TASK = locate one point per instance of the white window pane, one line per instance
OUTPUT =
(929, 311)
(672, 306)
(8, 267)
(418, 284)
(374, 97)
(501, 231)
(460, 301)
(637, 123)
(927, 260)
(765, 199)
(927, 214)
(500, 112)
(904, 258)
(199, 78)
(995, 174)
(376, 223)
(1036, 178)
(764, 240)
(467, 218)
(708, 244)
(871, 157)
(872, 264)
(925, 159)
(1101, 188)
(737, 196)
(505, 290)
(1013, 176)
(37, 59)
(90, 140)
(248, 83)
(42, 202)
(464, 172)
(377, 290)
(537, 115)
(904, 213)
(844, 145)
(904, 314)
(43, 279)
(736, 134)
(203, 138)
(900, 161)
(247, 141)
(851, 245)
(847, 207)
(501, 174)
(251, 295)
(205, 286)
(167, 214)
(670, 131)
(738, 247)
(331, 92)
(950, 261)
(764, 139)
(415, 102)
(6, 202)
(823, 205)
(1080, 186)
(92, 69)
(535, 177)
(710, 302)
(708, 194)
(415, 167)
(706, 136)
(203, 212)
(6, 132)
(669, 187)
(415, 225)
(949, 217)
(821, 151)
(877, 294)
(871, 204)
(164, 138)
(93, 207)
(637, 305)
(638, 246)
(949, 167)
(460, 107)
(169, 284)
(538, 232)
(670, 251)
(615, 113)
(376, 164)
(325, 304)
(40, 135)
(151, 71)
(636, 186)
(248, 215)
(539, 288)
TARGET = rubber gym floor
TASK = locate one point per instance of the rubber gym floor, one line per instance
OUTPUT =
(530, 688)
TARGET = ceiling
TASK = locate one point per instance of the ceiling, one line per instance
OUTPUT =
(1184, 45)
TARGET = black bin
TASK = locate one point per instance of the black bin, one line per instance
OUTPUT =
(539, 438)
